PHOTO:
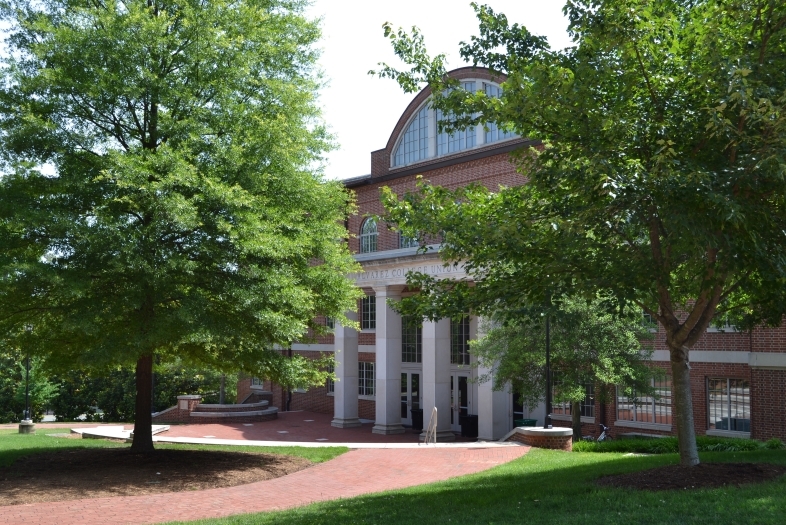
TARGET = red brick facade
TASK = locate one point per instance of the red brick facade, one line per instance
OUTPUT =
(491, 166)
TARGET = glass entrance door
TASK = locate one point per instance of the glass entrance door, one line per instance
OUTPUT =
(410, 395)
(459, 400)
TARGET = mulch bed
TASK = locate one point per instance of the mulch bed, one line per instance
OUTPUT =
(702, 476)
(96, 473)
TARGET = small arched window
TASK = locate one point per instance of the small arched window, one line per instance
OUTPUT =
(368, 236)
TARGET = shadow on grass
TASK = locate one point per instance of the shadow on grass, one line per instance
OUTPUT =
(14, 445)
(551, 487)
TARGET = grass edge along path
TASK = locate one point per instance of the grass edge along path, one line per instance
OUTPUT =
(14, 445)
(547, 486)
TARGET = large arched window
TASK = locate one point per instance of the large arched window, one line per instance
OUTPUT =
(414, 145)
(368, 236)
(422, 140)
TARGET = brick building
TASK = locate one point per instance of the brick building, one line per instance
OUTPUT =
(392, 366)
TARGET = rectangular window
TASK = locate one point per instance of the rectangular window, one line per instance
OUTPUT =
(255, 381)
(650, 323)
(721, 323)
(407, 242)
(642, 408)
(365, 378)
(330, 323)
(587, 405)
(368, 312)
(729, 404)
(330, 384)
(459, 341)
(411, 340)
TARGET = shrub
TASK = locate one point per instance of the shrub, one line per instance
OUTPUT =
(667, 445)
(773, 444)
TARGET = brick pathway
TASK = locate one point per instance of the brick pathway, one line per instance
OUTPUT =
(351, 474)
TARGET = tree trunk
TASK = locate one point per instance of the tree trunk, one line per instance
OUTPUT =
(683, 407)
(575, 412)
(143, 420)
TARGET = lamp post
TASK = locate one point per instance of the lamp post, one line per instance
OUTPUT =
(27, 389)
(547, 419)
(26, 426)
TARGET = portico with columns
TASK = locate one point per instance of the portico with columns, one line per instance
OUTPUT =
(433, 379)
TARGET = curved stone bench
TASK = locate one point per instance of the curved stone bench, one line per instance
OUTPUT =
(247, 416)
(215, 408)
(557, 438)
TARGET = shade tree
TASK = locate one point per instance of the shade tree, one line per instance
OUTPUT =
(659, 181)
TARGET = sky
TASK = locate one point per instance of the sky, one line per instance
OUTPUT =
(362, 110)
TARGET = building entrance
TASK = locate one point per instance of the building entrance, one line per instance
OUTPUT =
(410, 395)
(459, 400)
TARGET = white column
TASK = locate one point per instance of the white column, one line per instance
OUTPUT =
(494, 406)
(435, 384)
(345, 389)
(388, 363)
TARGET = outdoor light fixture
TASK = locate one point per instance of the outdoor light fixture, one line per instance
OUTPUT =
(547, 419)
(29, 330)
(26, 426)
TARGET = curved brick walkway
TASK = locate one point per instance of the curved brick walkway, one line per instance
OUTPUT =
(351, 474)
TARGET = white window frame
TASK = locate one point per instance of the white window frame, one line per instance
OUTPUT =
(407, 242)
(726, 327)
(330, 384)
(367, 380)
(368, 313)
(728, 408)
(651, 409)
(410, 329)
(566, 409)
(369, 240)
(459, 349)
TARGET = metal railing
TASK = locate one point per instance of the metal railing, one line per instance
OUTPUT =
(431, 430)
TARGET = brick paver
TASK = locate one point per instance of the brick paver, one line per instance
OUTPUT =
(351, 474)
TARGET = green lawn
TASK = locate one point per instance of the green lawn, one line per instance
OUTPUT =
(547, 487)
(14, 445)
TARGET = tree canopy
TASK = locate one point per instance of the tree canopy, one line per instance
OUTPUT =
(660, 181)
(161, 191)
(589, 345)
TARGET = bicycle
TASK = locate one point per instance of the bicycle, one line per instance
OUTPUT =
(604, 435)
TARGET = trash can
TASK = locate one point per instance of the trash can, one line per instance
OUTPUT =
(525, 422)
(469, 426)
(417, 419)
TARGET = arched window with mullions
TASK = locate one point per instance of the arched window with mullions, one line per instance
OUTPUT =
(368, 236)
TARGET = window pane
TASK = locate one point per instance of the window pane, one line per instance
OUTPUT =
(459, 140)
(368, 312)
(407, 242)
(368, 236)
(414, 145)
(459, 341)
(331, 385)
(729, 404)
(588, 404)
(493, 133)
(365, 378)
(646, 408)
(411, 340)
